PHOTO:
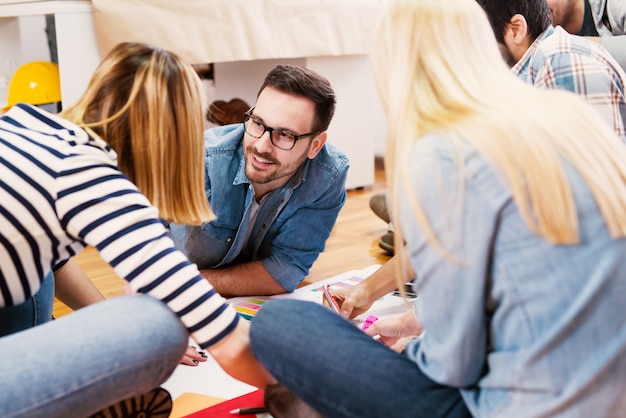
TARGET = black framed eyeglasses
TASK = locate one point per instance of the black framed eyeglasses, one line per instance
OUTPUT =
(279, 137)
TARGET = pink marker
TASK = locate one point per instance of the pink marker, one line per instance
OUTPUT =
(368, 322)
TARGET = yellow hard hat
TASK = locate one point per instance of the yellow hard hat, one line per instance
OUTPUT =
(35, 83)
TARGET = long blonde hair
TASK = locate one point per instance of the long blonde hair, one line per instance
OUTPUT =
(438, 70)
(148, 105)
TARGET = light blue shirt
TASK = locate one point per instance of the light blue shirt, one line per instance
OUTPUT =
(524, 328)
(293, 222)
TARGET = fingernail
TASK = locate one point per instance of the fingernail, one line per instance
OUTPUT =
(203, 354)
(196, 361)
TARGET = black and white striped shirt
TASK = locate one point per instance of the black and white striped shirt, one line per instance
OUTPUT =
(61, 190)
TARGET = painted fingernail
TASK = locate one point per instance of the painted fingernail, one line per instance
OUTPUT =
(196, 361)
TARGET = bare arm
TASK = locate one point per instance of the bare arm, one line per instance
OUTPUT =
(74, 288)
(245, 279)
(234, 355)
(358, 299)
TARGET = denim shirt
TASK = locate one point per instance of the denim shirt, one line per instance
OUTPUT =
(523, 327)
(293, 223)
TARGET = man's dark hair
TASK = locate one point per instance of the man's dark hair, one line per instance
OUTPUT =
(301, 81)
(536, 12)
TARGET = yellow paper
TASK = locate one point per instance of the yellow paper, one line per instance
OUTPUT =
(188, 403)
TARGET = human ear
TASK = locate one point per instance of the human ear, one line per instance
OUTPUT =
(317, 144)
(518, 29)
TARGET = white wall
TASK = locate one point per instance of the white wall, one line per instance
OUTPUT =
(22, 39)
(34, 39)
(355, 125)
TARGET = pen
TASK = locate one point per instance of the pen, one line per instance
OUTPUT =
(330, 298)
(248, 411)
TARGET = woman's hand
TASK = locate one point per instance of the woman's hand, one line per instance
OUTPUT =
(193, 357)
(354, 300)
(395, 332)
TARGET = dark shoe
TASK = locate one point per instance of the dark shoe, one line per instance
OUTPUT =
(225, 113)
(281, 403)
(155, 404)
(378, 204)
(386, 242)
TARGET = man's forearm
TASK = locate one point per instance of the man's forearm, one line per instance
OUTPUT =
(245, 279)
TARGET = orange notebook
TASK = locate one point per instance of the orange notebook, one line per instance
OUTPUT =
(222, 409)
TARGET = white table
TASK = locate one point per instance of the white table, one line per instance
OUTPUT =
(77, 47)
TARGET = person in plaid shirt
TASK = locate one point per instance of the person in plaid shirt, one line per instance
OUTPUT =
(601, 20)
(549, 57)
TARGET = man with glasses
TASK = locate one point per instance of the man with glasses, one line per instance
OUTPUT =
(275, 185)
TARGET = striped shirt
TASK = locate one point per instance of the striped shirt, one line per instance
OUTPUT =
(61, 190)
(558, 60)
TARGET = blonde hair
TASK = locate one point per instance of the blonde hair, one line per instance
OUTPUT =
(438, 70)
(148, 105)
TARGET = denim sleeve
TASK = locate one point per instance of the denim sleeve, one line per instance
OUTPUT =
(303, 234)
(452, 283)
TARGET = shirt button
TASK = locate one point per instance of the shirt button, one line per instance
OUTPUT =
(229, 240)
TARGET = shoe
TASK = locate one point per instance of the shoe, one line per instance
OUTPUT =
(386, 242)
(226, 113)
(281, 403)
(155, 404)
(378, 204)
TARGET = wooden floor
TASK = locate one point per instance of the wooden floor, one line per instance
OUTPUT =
(353, 244)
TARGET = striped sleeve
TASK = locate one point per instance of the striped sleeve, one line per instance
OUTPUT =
(101, 207)
(76, 197)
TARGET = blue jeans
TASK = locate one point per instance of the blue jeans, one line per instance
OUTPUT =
(35, 311)
(340, 371)
(82, 362)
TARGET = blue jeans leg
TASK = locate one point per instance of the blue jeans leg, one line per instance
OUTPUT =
(34, 311)
(339, 370)
(84, 361)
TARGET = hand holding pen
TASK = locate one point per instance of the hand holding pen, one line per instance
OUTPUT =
(352, 301)
(330, 299)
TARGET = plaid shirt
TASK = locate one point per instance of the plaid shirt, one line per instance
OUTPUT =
(558, 60)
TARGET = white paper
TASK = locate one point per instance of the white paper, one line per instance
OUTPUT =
(209, 379)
